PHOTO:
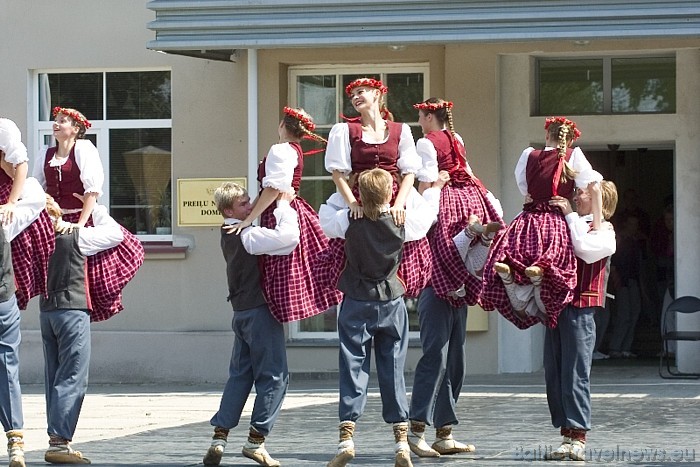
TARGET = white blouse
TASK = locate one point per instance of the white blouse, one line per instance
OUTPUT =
(338, 150)
(578, 162)
(428, 154)
(88, 160)
(280, 163)
(11, 142)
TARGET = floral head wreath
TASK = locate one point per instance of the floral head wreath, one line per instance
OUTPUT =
(302, 117)
(433, 106)
(564, 122)
(74, 114)
(369, 82)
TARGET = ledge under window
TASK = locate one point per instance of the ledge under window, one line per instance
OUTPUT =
(166, 246)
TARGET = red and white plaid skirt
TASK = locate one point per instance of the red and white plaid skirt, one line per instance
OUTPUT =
(538, 238)
(449, 271)
(416, 266)
(31, 250)
(289, 284)
(109, 271)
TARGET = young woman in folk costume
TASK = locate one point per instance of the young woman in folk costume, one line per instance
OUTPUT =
(368, 142)
(299, 296)
(536, 247)
(32, 248)
(466, 207)
(72, 167)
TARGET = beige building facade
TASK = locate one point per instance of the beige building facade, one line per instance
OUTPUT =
(224, 115)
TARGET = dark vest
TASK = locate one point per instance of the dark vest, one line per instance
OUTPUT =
(67, 285)
(373, 251)
(7, 278)
(64, 180)
(242, 272)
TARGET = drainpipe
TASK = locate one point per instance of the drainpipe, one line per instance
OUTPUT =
(252, 122)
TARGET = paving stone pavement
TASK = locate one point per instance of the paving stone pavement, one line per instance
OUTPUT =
(638, 419)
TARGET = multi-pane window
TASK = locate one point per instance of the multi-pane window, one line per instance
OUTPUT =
(130, 112)
(606, 85)
(321, 92)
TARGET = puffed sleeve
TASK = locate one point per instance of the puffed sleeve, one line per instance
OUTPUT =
(520, 169)
(16, 153)
(428, 155)
(280, 163)
(338, 149)
(91, 173)
(11, 142)
(409, 160)
(584, 171)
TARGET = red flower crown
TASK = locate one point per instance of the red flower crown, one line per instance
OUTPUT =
(369, 82)
(304, 118)
(433, 106)
(564, 122)
(74, 114)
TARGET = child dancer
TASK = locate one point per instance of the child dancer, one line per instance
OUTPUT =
(73, 166)
(536, 247)
(33, 246)
(24, 214)
(299, 296)
(64, 318)
(373, 142)
(373, 309)
(568, 347)
(259, 357)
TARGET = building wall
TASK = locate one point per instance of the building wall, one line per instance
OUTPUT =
(176, 323)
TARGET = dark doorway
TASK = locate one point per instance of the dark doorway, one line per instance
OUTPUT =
(644, 180)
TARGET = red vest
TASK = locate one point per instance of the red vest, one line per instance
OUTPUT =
(540, 172)
(296, 178)
(591, 283)
(365, 156)
(455, 163)
(64, 180)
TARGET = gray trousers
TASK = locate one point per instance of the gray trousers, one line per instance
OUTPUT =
(66, 338)
(568, 354)
(259, 358)
(384, 324)
(10, 392)
(440, 371)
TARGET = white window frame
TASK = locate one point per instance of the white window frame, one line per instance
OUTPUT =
(339, 70)
(101, 128)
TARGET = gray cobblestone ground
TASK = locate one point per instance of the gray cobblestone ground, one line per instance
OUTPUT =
(639, 419)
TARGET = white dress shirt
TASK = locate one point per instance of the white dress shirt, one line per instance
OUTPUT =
(278, 241)
(590, 245)
(105, 234)
(421, 214)
(30, 205)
